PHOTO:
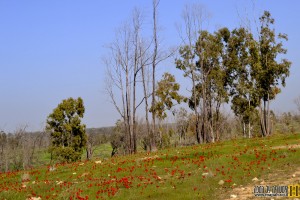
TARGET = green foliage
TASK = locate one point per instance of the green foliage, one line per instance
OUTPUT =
(240, 65)
(204, 64)
(270, 72)
(167, 92)
(67, 133)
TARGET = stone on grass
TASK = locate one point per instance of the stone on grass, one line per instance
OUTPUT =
(98, 161)
(34, 198)
(255, 179)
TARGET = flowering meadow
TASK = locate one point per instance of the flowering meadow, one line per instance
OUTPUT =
(194, 172)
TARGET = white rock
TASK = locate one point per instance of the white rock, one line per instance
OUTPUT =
(98, 162)
(294, 175)
(221, 182)
(233, 196)
(255, 179)
(34, 198)
(51, 169)
(59, 182)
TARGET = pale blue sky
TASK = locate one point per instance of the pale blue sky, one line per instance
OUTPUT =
(51, 50)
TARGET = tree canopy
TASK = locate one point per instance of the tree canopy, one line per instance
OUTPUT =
(67, 132)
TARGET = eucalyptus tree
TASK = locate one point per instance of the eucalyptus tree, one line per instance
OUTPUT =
(271, 70)
(240, 64)
(211, 88)
(193, 15)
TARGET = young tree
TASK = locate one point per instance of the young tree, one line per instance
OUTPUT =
(167, 97)
(68, 135)
(166, 92)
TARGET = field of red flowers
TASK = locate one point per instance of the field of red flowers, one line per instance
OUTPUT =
(195, 172)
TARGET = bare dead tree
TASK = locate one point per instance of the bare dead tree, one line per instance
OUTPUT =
(118, 77)
(129, 60)
(126, 61)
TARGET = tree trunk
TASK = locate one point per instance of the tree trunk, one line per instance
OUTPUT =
(244, 129)
(262, 120)
(268, 116)
(134, 146)
(249, 129)
(146, 106)
(204, 111)
(198, 136)
(128, 113)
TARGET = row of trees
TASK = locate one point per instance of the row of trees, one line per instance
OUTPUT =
(233, 65)
(226, 66)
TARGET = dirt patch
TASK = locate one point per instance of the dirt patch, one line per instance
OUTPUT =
(274, 179)
(292, 146)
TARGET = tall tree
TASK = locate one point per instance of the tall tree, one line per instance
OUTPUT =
(124, 66)
(67, 132)
(240, 66)
(208, 73)
(158, 55)
(271, 71)
(193, 17)
(119, 73)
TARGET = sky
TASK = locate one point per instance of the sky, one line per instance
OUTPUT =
(51, 50)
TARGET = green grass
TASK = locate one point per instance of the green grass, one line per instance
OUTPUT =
(182, 173)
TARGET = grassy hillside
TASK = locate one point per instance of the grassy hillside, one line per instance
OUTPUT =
(195, 172)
